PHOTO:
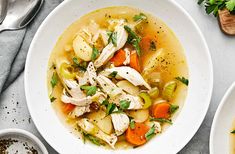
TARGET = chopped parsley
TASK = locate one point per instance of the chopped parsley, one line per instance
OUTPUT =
(95, 53)
(124, 104)
(110, 108)
(54, 80)
(90, 90)
(133, 39)
(113, 74)
(112, 37)
(91, 138)
(82, 65)
(183, 80)
(52, 98)
(173, 108)
(150, 133)
(233, 132)
(132, 124)
(161, 120)
(140, 17)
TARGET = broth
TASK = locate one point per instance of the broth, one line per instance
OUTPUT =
(173, 65)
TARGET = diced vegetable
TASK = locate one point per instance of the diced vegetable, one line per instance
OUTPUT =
(168, 90)
(153, 62)
(102, 121)
(82, 49)
(150, 133)
(128, 87)
(154, 78)
(145, 43)
(119, 58)
(161, 110)
(132, 124)
(139, 115)
(67, 108)
(136, 136)
(140, 17)
(154, 92)
(134, 62)
(67, 71)
(147, 100)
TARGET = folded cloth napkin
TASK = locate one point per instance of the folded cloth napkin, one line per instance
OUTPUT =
(14, 46)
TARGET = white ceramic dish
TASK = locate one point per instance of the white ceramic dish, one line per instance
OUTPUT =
(222, 123)
(200, 70)
(24, 140)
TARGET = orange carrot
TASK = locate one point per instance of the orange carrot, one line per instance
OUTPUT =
(66, 108)
(134, 61)
(136, 136)
(145, 43)
(161, 110)
(119, 58)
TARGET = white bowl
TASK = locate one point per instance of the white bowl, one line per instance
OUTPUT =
(200, 71)
(222, 123)
(23, 138)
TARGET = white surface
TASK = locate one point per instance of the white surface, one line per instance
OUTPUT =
(222, 123)
(222, 49)
(200, 72)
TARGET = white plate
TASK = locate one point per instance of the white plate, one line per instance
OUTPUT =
(200, 71)
(222, 123)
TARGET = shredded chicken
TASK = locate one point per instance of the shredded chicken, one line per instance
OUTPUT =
(88, 127)
(120, 122)
(79, 111)
(128, 56)
(108, 86)
(129, 74)
(91, 74)
(108, 52)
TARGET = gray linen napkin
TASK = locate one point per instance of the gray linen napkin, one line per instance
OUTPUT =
(14, 46)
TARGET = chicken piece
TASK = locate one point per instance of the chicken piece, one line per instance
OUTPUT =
(88, 127)
(108, 52)
(85, 101)
(83, 80)
(129, 74)
(135, 102)
(91, 74)
(79, 111)
(120, 122)
(74, 89)
(108, 86)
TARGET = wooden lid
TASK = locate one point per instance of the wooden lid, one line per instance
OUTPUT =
(227, 22)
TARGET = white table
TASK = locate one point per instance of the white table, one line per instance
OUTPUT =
(222, 50)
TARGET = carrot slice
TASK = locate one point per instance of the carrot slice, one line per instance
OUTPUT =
(145, 43)
(134, 62)
(119, 58)
(66, 108)
(136, 136)
(161, 110)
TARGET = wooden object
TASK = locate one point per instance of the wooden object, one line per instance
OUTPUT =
(227, 22)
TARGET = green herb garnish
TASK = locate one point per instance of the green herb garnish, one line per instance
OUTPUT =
(133, 39)
(52, 98)
(112, 38)
(124, 104)
(140, 17)
(95, 53)
(233, 132)
(132, 124)
(82, 65)
(150, 133)
(161, 120)
(110, 108)
(105, 102)
(91, 138)
(90, 90)
(173, 108)
(183, 80)
(113, 74)
(213, 6)
(54, 80)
